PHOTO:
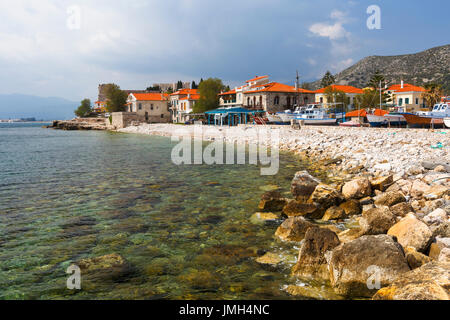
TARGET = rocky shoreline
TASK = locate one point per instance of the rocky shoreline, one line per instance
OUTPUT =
(390, 190)
(80, 124)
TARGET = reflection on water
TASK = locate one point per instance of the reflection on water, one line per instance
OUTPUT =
(185, 230)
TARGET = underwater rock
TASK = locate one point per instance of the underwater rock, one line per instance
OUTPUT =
(295, 208)
(303, 185)
(108, 267)
(293, 229)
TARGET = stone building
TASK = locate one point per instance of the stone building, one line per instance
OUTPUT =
(350, 92)
(151, 107)
(182, 103)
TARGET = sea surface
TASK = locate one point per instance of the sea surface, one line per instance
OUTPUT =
(184, 230)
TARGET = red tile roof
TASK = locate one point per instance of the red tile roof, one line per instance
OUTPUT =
(192, 97)
(406, 88)
(185, 91)
(228, 92)
(278, 87)
(256, 78)
(150, 96)
(356, 113)
(346, 89)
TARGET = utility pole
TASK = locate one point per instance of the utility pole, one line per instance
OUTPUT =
(298, 89)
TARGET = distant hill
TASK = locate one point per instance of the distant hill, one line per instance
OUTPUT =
(432, 65)
(13, 106)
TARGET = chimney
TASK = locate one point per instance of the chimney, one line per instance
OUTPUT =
(402, 84)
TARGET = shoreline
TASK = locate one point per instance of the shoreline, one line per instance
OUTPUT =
(393, 185)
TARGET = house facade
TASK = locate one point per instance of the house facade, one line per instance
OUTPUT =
(261, 94)
(151, 107)
(350, 91)
(407, 96)
(182, 103)
(100, 106)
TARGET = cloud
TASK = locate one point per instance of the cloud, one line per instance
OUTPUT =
(333, 32)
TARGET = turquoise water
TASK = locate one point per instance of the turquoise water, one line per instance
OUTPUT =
(185, 230)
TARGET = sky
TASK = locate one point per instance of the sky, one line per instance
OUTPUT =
(66, 48)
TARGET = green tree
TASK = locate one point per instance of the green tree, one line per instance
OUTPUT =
(170, 90)
(209, 95)
(306, 85)
(194, 85)
(336, 99)
(376, 79)
(371, 99)
(433, 94)
(179, 85)
(327, 80)
(84, 109)
(154, 88)
(116, 99)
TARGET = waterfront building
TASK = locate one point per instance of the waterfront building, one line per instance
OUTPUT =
(151, 107)
(350, 91)
(407, 96)
(100, 106)
(182, 103)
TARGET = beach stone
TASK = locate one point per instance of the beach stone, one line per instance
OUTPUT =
(311, 259)
(436, 192)
(444, 255)
(437, 216)
(269, 258)
(350, 235)
(441, 230)
(351, 207)
(293, 229)
(366, 201)
(272, 201)
(433, 163)
(428, 282)
(437, 246)
(357, 189)
(411, 232)
(382, 183)
(401, 209)
(312, 292)
(414, 170)
(415, 259)
(377, 221)
(352, 264)
(107, 267)
(325, 196)
(419, 189)
(303, 185)
(334, 213)
(296, 208)
(440, 168)
(264, 218)
(389, 198)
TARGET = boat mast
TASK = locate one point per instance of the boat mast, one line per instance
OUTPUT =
(298, 90)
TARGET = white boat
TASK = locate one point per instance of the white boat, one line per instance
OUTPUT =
(315, 115)
(274, 118)
(447, 122)
(289, 115)
(385, 120)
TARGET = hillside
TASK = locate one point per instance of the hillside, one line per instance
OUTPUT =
(14, 106)
(432, 65)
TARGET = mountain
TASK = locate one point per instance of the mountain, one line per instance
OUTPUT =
(432, 65)
(14, 106)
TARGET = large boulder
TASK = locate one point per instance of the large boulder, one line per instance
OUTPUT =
(377, 221)
(382, 183)
(356, 267)
(429, 282)
(351, 207)
(437, 246)
(303, 185)
(389, 198)
(401, 209)
(357, 189)
(325, 196)
(108, 267)
(411, 232)
(311, 259)
(444, 255)
(419, 189)
(437, 216)
(296, 208)
(272, 201)
(334, 213)
(293, 229)
(415, 259)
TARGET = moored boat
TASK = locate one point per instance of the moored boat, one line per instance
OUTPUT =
(434, 118)
(447, 122)
(386, 120)
(315, 115)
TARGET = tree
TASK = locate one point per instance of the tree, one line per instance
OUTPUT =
(328, 79)
(179, 85)
(433, 94)
(376, 79)
(84, 109)
(154, 88)
(337, 98)
(306, 85)
(194, 85)
(170, 90)
(116, 99)
(209, 95)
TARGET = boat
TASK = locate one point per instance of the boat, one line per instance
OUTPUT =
(350, 123)
(275, 119)
(447, 122)
(389, 119)
(435, 118)
(315, 115)
(289, 115)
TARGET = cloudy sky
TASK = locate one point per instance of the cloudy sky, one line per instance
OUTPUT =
(66, 48)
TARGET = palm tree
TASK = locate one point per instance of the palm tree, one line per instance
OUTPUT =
(433, 94)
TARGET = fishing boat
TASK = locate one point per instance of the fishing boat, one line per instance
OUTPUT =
(447, 122)
(434, 118)
(388, 119)
(289, 115)
(274, 118)
(315, 115)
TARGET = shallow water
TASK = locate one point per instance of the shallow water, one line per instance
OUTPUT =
(185, 230)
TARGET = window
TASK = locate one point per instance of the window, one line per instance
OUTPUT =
(417, 100)
(140, 106)
(400, 101)
(276, 101)
(406, 100)
(162, 115)
(321, 99)
(151, 106)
